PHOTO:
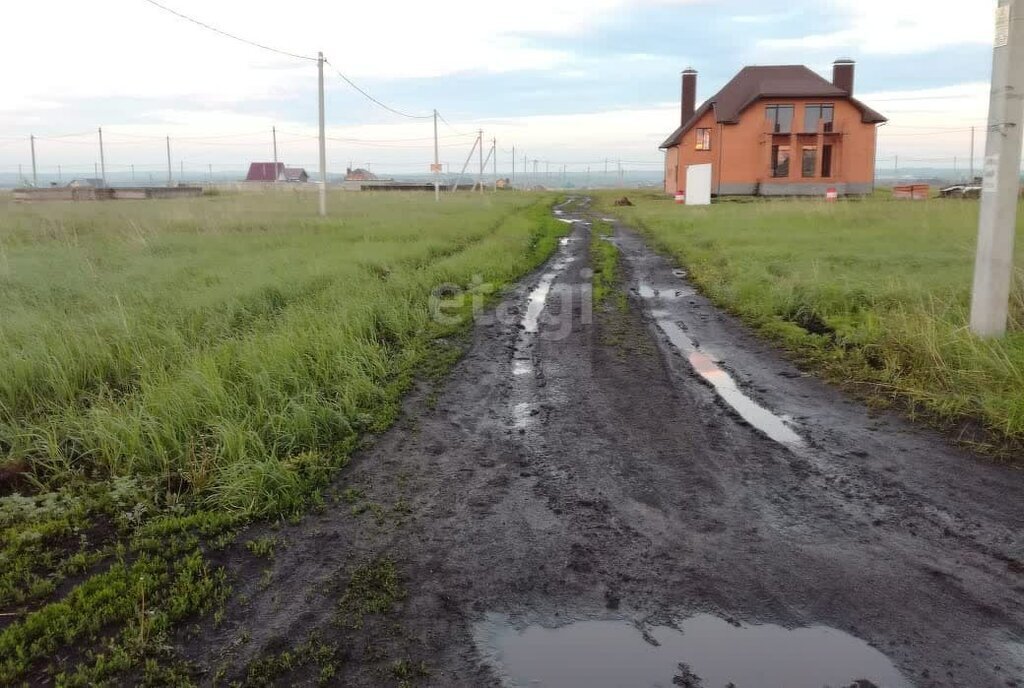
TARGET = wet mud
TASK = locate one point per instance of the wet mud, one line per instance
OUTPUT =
(672, 505)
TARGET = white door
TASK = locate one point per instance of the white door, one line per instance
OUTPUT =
(698, 185)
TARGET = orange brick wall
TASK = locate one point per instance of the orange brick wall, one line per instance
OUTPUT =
(741, 153)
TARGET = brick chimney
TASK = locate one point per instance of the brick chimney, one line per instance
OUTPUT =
(689, 95)
(842, 74)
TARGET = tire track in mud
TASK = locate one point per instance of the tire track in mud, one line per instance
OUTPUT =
(575, 466)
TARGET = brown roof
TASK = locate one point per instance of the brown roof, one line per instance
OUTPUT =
(265, 171)
(754, 83)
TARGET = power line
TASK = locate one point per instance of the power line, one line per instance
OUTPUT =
(441, 117)
(229, 35)
(371, 98)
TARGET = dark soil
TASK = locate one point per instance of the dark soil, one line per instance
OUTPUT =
(607, 476)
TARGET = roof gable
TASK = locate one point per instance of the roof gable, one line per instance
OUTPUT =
(752, 84)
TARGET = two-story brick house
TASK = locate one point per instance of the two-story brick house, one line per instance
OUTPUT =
(779, 130)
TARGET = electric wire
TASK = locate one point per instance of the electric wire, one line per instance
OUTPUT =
(209, 27)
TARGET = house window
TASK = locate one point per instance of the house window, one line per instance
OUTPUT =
(703, 139)
(818, 113)
(780, 161)
(810, 161)
(780, 118)
(826, 161)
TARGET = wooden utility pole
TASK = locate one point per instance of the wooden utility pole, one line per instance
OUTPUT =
(993, 269)
(323, 138)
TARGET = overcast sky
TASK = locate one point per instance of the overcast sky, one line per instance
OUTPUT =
(563, 80)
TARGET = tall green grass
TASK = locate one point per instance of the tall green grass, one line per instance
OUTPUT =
(229, 348)
(873, 293)
(170, 370)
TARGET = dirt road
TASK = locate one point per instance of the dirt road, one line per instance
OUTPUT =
(631, 496)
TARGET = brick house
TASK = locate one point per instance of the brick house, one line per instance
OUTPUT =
(776, 131)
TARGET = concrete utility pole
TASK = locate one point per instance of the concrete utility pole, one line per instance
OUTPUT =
(993, 268)
(273, 131)
(103, 160)
(480, 180)
(323, 139)
(32, 142)
(133, 173)
(60, 175)
(513, 180)
(972, 155)
(181, 175)
(437, 162)
(494, 148)
(170, 177)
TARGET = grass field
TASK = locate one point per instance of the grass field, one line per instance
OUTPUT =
(171, 369)
(874, 294)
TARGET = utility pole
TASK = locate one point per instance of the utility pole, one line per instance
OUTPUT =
(32, 142)
(437, 162)
(273, 131)
(993, 269)
(896, 166)
(60, 175)
(170, 178)
(494, 148)
(480, 138)
(181, 175)
(323, 139)
(513, 180)
(972, 154)
(210, 169)
(103, 160)
(133, 173)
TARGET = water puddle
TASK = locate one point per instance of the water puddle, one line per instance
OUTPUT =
(522, 367)
(703, 651)
(539, 296)
(648, 292)
(772, 425)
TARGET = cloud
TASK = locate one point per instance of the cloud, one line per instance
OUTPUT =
(905, 27)
(127, 48)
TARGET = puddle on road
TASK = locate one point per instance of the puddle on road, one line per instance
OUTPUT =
(772, 425)
(646, 291)
(539, 295)
(522, 367)
(616, 654)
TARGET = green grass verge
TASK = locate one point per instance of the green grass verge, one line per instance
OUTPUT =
(170, 370)
(873, 293)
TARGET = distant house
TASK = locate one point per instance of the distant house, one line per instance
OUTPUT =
(295, 174)
(265, 172)
(360, 175)
(779, 130)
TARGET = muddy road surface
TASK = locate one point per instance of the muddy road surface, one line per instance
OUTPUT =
(635, 492)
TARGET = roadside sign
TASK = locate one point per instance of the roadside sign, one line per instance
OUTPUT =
(832, 194)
